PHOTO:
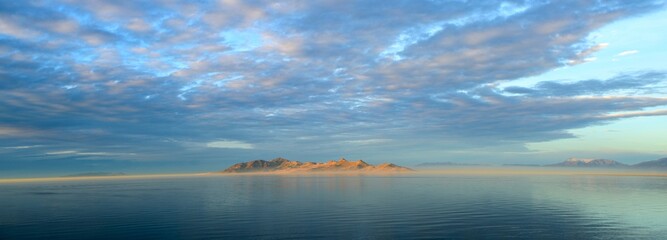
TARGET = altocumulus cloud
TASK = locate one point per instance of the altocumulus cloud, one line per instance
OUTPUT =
(300, 76)
(626, 53)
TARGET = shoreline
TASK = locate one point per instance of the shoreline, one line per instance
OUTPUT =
(451, 171)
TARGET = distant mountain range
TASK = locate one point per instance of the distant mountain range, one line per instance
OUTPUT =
(285, 165)
(579, 162)
(606, 163)
(660, 163)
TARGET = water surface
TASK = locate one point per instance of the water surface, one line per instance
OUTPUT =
(419, 206)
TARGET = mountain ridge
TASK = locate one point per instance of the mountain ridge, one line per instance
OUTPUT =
(284, 165)
(596, 162)
(588, 162)
(660, 163)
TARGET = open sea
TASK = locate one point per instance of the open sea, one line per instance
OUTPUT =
(418, 206)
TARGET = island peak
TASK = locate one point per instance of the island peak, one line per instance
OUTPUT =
(284, 165)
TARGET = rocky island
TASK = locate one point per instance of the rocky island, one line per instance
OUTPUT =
(282, 165)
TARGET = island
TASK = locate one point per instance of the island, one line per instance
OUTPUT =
(282, 165)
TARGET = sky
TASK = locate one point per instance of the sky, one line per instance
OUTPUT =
(187, 86)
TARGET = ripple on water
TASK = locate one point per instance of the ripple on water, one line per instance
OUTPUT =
(346, 207)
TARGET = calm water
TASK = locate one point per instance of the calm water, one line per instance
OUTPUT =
(342, 207)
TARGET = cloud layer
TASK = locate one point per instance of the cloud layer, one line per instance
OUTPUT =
(163, 79)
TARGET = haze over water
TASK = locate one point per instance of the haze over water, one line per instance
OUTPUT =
(414, 206)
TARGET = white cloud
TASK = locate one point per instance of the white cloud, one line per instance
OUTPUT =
(68, 87)
(585, 55)
(23, 147)
(74, 152)
(8, 27)
(590, 59)
(138, 25)
(67, 152)
(626, 53)
(636, 114)
(230, 144)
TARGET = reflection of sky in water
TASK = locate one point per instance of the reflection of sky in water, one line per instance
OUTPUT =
(635, 201)
(415, 206)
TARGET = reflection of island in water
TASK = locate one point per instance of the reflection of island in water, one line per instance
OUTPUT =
(281, 165)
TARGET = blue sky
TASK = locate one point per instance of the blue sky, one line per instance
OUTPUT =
(178, 86)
